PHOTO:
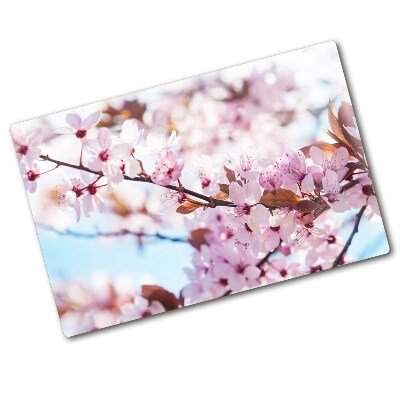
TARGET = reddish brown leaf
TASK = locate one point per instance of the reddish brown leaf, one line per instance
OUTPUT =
(198, 237)
(305, 206)
(224, 192)
(221, 196)
(346, 119)
(280, 198)
(157, 293)
(335, 124)
(340, 133)
(327, 147)
(224, 188)
(342, 143)
(230, 174)
(187, 208)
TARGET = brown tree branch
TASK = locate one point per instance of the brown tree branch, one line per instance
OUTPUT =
(211, 202)
(340, 258)
(122, 232)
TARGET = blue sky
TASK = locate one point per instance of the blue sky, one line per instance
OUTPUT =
(160, 261)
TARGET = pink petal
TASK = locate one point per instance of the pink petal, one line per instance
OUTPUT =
(307, 184)
(339, 158)
(237, 282)
(87, 205)
(330, 183)
(132, 167)
(223, 270)
(121, 151)
(74, 120)
(91, 120)
(35, 137)
(319, 157)
(104, 138)
(252, 272)
(311, 258)
(236, 193)
(130, 132)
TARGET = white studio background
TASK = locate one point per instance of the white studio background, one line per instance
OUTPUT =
(334, 335)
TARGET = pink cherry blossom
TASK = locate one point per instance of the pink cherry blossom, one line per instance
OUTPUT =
(244, 164)
(294, 169)
(280, 226)
(271, 179)
(92, 199)
(168, 168)
(331, 188)
(336, 163)
(69, 193)
(80, 194)
(302, 232)
(102, 150)
(209, 177)
(245, 235)
(238, 268)
(325, 247)
(81, 125)
(158, 142)
(26, 143)
(363, 194)
(203, 285)
(171, 200)
(30, 175)
(280, 270)
(244, 196)
(131, 133)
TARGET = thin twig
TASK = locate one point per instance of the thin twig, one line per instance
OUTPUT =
(211, 202)
(122, 232)
(339, 259)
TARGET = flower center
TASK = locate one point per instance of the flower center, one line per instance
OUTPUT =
(92, 189)
(315, 269)
(104, 155)
(23, 150)
(205, 182)
(80, 134)
(32, 175)
(368, 190)
(78, 192)
(245, 162)
(331, 239)
(243, 210)
(283, 273)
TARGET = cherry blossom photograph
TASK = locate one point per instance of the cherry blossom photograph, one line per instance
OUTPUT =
(200, 189)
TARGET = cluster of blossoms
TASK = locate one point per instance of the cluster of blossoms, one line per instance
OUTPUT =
(234, 241)
(106, 159)
(248, 209)
(255, 216)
